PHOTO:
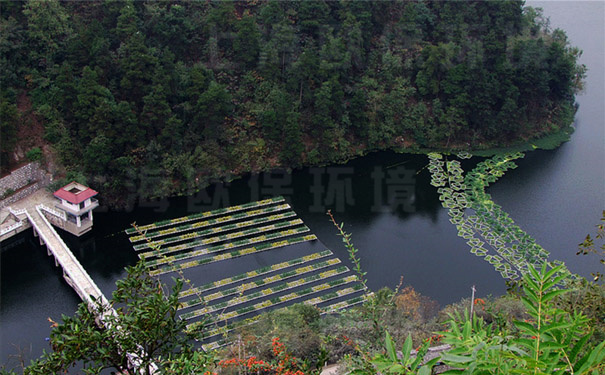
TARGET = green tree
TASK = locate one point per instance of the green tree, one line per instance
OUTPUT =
(246, 44)
(273, 118)
(124, 130)
(135, 63)
(335, 59)
(293, 145)
(13, 54)
(94, 107)
(48, 28)
(438, 59)
(97, 154)
(9, 119)
(156, 111)
(352, 36)
(127, 21)
(145, 325)
(279, 50)
(211, 109)
(312, 17)
(303, 75)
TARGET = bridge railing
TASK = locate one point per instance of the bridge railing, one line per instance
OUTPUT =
(10, 228)
(22, 211)
(60, 214)
(132, 357)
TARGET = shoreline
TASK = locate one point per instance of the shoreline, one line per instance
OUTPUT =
(548, 142)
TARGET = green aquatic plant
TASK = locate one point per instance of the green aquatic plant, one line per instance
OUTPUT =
(489, 231)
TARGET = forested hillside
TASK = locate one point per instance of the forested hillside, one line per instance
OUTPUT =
(180, 93)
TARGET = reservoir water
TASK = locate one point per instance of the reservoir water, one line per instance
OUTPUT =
(556, 196)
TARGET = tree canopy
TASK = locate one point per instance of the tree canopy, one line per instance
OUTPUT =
(263, 84)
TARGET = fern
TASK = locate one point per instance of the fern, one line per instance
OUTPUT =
(551, 342)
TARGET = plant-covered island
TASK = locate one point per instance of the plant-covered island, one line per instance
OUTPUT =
(191, 92)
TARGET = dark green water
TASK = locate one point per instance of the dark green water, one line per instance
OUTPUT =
(556, 196)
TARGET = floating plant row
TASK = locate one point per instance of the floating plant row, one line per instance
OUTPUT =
(268, 292)
(336, 307)
(456, 195)
(289, 297)
(438, 176)
(227, 246)
(233, 254)
(230, 327)
(209, 222)
(498, 229)
(514, 248)
(220, 238)
(207, 214)
(214, 230)
(265, 281)
(255, 273)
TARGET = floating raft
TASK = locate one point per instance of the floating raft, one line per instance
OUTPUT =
(267, 280)
(255, 273)
(234, 254)
(223, 238)
(268, 292)
(206, 232)
(192, 243)
(286, 298)
(205, 215)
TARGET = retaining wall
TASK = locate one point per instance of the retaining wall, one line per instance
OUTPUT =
(30, 174)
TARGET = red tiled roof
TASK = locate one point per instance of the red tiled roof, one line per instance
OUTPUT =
(73, 197)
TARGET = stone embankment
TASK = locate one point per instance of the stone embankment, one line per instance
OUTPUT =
(22, 182)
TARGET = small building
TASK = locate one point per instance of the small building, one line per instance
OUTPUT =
(77, 201)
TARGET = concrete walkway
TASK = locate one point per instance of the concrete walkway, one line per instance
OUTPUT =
(73, 272)
(30, 212)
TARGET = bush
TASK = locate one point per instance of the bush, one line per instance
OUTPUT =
(8, 193)
(34, 154)
(296, 326)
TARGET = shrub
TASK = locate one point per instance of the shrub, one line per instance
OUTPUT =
(8, 193)
(34, 154)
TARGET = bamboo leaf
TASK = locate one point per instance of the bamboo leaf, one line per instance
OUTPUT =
(531, 293)
(390, 347)
(527, 343)
(551, 345)
(553, 271)
(550, 295)
(554, 326)
(396, 368)
(526, 328)
(426, 369)
(454, 358)
(407, 348)
(578, 347)
(597, 355)
(466, 331)
(530, 306)
(534, 273)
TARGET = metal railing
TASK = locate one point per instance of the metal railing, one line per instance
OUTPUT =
(22, 211)
(60, 214)
(11, 228)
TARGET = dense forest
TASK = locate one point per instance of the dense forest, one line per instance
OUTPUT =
(160, 97)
